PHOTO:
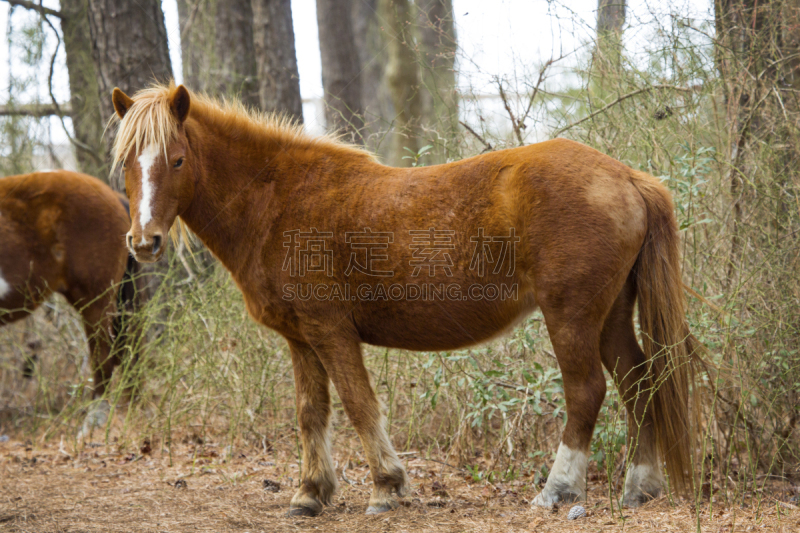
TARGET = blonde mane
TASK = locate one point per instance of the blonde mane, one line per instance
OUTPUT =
(149, 122)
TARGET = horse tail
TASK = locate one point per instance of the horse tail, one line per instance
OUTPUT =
(668, 345)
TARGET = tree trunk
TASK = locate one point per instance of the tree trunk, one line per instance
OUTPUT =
(440, 99)
(745, 47)
(791, 43)
(129, 45)
(370, 39)
(341, 77)
(236, 68)
(196, 20)
(757, 58)
(402, 78)
(217, 48)
(610, 19)
(276, 60)
(130, 50)
(87, 119)
(610, 16)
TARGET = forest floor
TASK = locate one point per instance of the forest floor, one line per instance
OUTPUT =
(204, 487)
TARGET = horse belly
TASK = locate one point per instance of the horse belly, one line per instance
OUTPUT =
(440, 325)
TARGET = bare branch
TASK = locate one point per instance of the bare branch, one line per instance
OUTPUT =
(481, 139)
(514, 124)
(620, 99)
(542, 72)
(35, 7)
(34, 110)
(518, 123)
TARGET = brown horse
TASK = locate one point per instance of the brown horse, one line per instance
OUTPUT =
(64, 232)
(332, 250)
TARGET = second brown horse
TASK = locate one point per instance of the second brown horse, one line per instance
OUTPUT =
(332, 250)
(64, 232)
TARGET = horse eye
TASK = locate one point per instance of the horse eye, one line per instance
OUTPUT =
(178, 163)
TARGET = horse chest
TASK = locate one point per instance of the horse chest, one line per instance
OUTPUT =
(266, 308)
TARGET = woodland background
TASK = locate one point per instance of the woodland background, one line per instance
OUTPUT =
(710, 104)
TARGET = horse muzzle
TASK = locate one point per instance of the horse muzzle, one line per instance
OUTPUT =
(148, 249)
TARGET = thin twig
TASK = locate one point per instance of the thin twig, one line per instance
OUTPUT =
(704, 300)
(184, 263)
(445, 464)
(190, 20)
(518, 124)
(481, 139)
(344, 475)
(535, 92)
(514, 123)
(509, 437)
(518, 388)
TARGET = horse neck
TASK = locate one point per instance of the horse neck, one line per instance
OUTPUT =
(241, 176)
(228, 172)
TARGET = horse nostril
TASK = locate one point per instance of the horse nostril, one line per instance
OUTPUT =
(156, 244)
(130, 242)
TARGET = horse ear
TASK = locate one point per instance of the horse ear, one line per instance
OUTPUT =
(180, 103)
(122, 102)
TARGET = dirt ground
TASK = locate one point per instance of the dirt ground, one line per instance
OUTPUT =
(205, 487)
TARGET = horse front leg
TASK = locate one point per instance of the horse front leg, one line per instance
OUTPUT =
(313, 414)
(344, 362)
(577, 350)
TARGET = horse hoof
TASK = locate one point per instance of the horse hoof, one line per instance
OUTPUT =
(636, 499)
(379, 509)
(547, 499)
(97, 417)
(302, 511)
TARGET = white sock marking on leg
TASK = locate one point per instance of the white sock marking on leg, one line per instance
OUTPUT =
(569, 468)
(643, 478)
(568, 475)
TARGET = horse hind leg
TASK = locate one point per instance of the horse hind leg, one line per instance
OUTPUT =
(343, 360)
(97, 322)
(625, 361)
(313, 414)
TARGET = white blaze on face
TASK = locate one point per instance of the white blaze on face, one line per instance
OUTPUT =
(146, 160)
(5, 288)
